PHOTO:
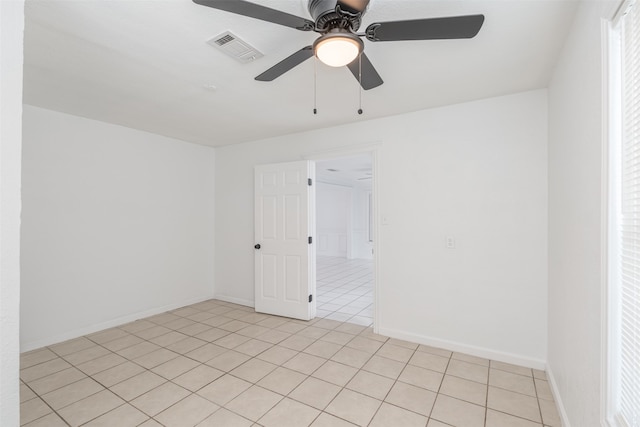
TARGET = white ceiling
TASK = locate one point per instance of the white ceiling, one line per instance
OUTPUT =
(145, 64)
(354, 171)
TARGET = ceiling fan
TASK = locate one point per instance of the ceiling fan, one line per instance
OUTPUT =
(339, 43)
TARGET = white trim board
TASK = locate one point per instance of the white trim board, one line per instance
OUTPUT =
(564, 419)
(485, 353)
(110, 324)
(234, 300)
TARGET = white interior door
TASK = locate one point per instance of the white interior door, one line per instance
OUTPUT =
(284, 249)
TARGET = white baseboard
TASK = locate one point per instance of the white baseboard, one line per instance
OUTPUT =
(556, 396)
(240, 301)
(485, 353)
(108, 324)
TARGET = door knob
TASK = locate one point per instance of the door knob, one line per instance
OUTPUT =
(257, 246)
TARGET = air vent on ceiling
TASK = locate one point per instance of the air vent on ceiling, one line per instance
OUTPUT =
(332, 170)
(235, 47)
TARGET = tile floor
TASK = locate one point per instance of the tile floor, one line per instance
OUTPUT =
(345, 289)
(221, 364)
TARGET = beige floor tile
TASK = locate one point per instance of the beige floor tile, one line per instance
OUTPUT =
(468, 371)
(33, 409)
(435, 350)
(117, 374)
(175, 367)
(429, 361)
(228, 361)
(57, 380)
(254, 402)
(272, 322)
(234, 325)
(224, 418)
(26, 393)
(466, 390)
(137, 326)
(206, 352)
(436, 423)
(71, 393)
(410, 397)
(169, 338)
(217, 321)
(212, 334)
(512, 382)
(365, 344)
(328, 420)
(160, 398)
(277, 355)
(135, 386)
(402, 343)
(327, 324)
(470, 359)
(162, 318)
(138, 350)
(231, 341)
(224, 389)
(457, 412)
(390, 415)
(313, 332)
(189, 412)
(322, 349)
(290, 327)
(43, 369)
(351, 357)
(297, 342)
(71, 346)
(179, 324)
(253, 370)
(394, 352)
(86, 355)
(370, 384)
(543, 390)
(151, 333)
(315, 392)
(335, 373)
(550, 415)
(274, 336)
(122, 343)
(289, 413)
(123, 416)
(541, 375)
(514, 369)
(350, 328)
(253, 331)
(107, 335)
(155, 358)
(499, 419)
(89, 408)
(421, 377)
(304, 363)
(368, 333)
(336, 337)
(36, 357)
(385, 367)
(186, 345)
(354, 407)
(282, 380)
(198, 377)
(100, 364)
(51, 420)
(514, 404)
(253, 347)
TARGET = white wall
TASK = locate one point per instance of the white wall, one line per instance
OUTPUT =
(575, 200)
(333, 219)
(117, 223)
(476, 171)
(11, 46)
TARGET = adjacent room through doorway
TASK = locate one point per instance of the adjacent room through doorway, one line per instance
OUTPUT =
(344, 226)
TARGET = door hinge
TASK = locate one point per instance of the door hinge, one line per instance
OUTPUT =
(310, 240)
(310, 181)
(310, 298)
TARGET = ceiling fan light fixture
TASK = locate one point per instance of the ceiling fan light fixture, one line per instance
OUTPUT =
(337, 49)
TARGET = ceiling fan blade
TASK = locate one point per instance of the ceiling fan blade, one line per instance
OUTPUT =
(353, 6)
(287, 64)
(370, 77)
(252, 10)
(453, 27)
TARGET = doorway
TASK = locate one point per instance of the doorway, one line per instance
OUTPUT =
(345, 233)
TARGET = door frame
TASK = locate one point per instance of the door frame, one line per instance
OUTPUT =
(372, 149)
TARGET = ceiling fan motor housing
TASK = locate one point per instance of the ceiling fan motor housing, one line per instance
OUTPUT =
(326, 16)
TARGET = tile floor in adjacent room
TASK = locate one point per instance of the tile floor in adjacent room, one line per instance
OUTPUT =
(344, 289)
(220, 364)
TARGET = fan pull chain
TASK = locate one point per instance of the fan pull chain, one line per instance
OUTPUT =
(315, 85)
(360, 83)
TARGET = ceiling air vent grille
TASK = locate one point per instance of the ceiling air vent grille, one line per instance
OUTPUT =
(235, 47)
